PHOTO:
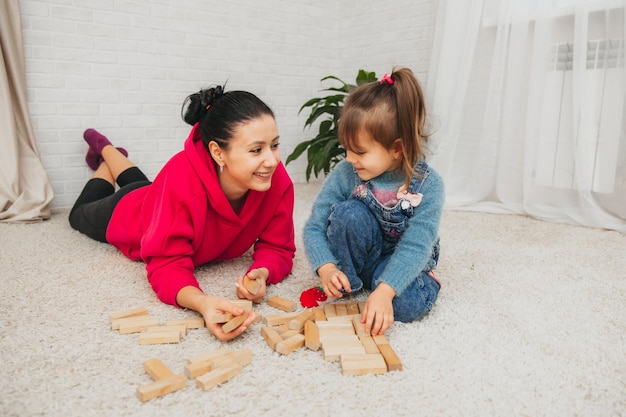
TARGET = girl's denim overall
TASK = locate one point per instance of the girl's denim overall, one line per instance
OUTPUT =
(363, 235)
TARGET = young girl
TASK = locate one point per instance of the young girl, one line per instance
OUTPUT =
(375, 222)
(224, 193)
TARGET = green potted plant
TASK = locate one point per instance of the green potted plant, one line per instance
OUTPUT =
(323, 151)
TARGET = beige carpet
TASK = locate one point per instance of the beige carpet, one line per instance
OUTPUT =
(531, 321)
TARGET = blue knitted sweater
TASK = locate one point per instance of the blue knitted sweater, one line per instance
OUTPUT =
(415, 246)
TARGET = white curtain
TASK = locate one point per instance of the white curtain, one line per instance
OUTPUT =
(25, 190)
(527, 100)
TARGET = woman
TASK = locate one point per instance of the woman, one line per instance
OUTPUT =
(224, 193)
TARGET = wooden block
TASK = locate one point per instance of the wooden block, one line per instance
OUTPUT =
(340, 328)
(157, 369)
(286, 335)
(392, 360)
(329, 310)
(369, 344)
(332, 351)
(207, 356)
(353, 308)
(221, 318)
(243, 357)
(278, 319)
(180, 328)
(137, 325)
(359, 328)
(289, 345)
(380, 339)
(271, 336)
(282, 304)
(252, 285)
(345, 317)
(161, 387)
(297, 323)
(218, 376)
(191, 323)
(115, 324)
(361, 364)
(245, 304)
(341, 309)
(195, 369)
(235, 322)
(155, 338)
(347, 339)
(311, 335)
(318, 314)
(140, 311)
(361, 305)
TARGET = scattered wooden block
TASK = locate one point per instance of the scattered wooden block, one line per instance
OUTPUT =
(218, 376)
(245, 304)
(332, 351)
(369, 344)
(252, 285)
(235, 322)
(243, 357)
(161, 387)
(282, 304)
(191, 323)
(140, 311)
(164, 381)
(155, 338)
(362, 364)
(220, 318)
(353, 308)
(207, 356)
(195, 369)
(116, 323)
(311, 335)
(359, 328)
(392, 360)
(157, 369)
(271, 336)
(137, 325)
(289, 345)
(329, 310)
(180, 328)
(278, 319)
(297, 323)
(318, 314)
(341, 309)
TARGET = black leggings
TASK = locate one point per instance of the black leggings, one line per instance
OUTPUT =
(93, 209)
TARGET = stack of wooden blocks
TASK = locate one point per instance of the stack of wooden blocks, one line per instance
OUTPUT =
(336, 328)
(150, 330)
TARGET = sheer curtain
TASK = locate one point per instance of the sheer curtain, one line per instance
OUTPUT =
(527, 103)
(25, 191)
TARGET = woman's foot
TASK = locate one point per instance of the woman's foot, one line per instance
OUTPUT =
(95, 140)
(94, 159)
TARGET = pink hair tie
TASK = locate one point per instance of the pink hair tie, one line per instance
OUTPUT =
(386, 79)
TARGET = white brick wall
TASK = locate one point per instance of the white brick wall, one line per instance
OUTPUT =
(124, 67)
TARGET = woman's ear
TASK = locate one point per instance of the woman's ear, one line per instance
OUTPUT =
(216, 152)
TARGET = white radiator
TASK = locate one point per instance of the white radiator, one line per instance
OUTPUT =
(598, 137)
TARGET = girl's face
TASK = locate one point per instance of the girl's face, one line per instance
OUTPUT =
(251, 158)
(370, 159)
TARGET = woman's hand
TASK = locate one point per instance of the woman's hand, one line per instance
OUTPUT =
(378, 312)
(209, 306)
(333, 280)
(260, 275)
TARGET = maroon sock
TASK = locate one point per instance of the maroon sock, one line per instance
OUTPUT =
(94, 160)
(95, 140)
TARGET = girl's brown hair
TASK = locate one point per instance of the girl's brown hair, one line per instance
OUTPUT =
(390, 109)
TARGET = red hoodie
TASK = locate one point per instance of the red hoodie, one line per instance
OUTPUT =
(183, 219)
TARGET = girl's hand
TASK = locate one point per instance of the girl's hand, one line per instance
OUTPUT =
(261, 275)
(219, 305)
(333, 280)
(207, 305)
(378, 312)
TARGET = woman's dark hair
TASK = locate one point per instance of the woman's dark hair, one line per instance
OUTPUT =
(219, 112)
